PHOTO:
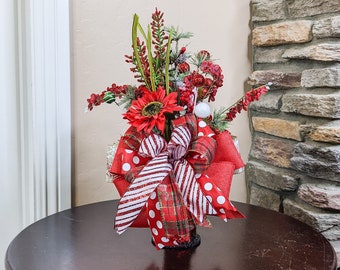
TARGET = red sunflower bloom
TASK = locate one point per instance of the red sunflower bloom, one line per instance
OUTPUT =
(149, 110)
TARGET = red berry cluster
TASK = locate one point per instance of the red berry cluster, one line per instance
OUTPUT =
(159, 42)
(206, 79)
(243, 103)
(213, 83)
(97, 99)
(142, 53)
(158, 34)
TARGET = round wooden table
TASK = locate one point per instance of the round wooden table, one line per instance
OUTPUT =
(82, 238)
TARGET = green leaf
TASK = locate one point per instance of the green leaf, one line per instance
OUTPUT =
(152, 72)
(135, 26)
(167, 64)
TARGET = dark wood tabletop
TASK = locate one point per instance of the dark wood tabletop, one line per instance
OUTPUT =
(82, 238)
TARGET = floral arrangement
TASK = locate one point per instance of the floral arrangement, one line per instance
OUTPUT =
(175, 163)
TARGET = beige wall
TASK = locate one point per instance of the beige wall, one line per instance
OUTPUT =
(101, 36)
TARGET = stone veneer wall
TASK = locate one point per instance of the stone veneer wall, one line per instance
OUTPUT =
(294, 162)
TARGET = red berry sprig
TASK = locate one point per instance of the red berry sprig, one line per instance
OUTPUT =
(97, 99)
(244, 102)
(220, 119)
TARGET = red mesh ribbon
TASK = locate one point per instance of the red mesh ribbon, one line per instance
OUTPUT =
(171, 186)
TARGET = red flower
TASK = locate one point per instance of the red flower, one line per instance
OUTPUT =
(206, 66)
(149, 110)
(197, 80)
(208, 82)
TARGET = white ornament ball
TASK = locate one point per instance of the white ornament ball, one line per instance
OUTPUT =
(202, 110)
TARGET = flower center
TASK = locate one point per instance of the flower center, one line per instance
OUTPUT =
(152, 108)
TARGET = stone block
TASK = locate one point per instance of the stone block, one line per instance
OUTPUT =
(333, 233)
(279, 79)
(322, 195)
(289, 32)
(303, 8)
(278, 127)
(264, 198)
(268, 103)
(327, 52)
(329, 27)
(274, 151)
(264, 55)
(329, 133)
(318, 219)
(267, 10)
(321, 77)
(271, 177)
(319, 162)
(327, 106)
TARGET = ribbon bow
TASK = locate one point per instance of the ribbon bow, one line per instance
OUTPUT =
(165, 158)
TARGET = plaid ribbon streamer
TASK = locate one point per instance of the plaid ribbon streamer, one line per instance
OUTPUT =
(172, 223)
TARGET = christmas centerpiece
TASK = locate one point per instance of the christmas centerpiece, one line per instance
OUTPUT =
(174, 165)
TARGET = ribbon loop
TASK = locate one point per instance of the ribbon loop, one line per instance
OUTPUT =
(152, 146)
(179, 142)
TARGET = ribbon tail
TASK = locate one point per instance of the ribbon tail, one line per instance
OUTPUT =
(191, 192)
(215, 184)
(139, 191)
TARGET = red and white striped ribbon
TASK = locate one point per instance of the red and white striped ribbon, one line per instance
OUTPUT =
(192, 195)
(145, 183)
(191, 192)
